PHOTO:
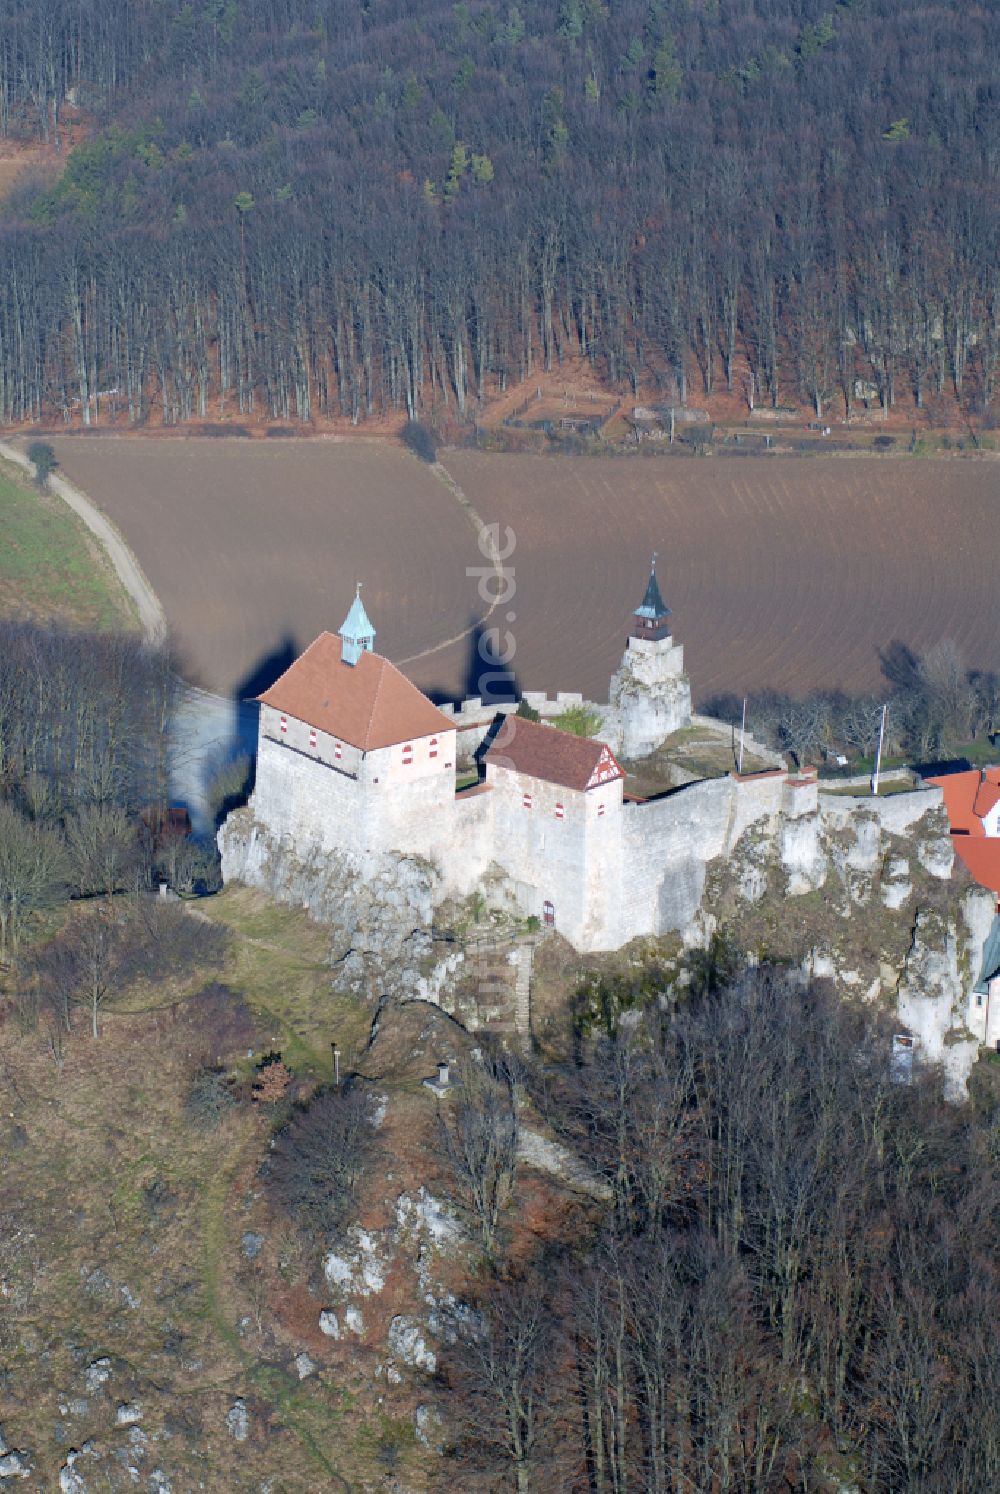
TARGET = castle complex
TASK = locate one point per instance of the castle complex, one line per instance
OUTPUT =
(358, 814)
(352, 758)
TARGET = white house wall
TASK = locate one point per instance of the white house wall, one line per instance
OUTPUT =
(571, 860)
(320, 793)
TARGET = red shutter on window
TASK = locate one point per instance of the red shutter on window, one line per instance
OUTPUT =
(434, 747)
(284, 725)
(312, 736)
(560, 812)
(407, 754)
(600, 810)
(526, 801)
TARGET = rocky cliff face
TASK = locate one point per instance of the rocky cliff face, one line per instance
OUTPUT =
(865, 893)
(650, 698)
(381, 913)
(859, 890)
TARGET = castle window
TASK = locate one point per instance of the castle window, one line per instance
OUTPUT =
(433, 748)
(284, 725)
(549, 914)
(407, 754)
(979, 998)
(560, 812)
(312, 736)
(338, 751)
(600, 811)
(526, 801)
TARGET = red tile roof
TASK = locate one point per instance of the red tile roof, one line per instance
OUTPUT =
(989, 793)
(960, 790)
(368, 704)
(555, 756)
(981, 858)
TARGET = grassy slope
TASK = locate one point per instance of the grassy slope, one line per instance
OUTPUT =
(51, 568)
(105, 1172)
(122, 1222)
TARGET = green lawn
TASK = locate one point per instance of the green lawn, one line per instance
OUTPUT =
(51, 568)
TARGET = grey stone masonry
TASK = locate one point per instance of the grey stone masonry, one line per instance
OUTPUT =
(651, 694)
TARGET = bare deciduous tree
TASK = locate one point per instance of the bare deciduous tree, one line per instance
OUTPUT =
(503, 1376)
(480, 1138)
(320, 1157)
(32, 873)
(105, 850)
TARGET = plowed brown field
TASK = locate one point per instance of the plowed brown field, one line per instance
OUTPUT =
(254, 547)
(785, 572)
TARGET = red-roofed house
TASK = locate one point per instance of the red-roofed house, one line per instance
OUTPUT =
(987, 802)
(352, 756)
(981, 859)
(559, 799)
(960, 791)
(972, 800)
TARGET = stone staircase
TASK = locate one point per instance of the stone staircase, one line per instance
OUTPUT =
(501, 972)
(524, 958)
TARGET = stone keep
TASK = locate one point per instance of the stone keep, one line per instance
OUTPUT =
(351, 757)
(650, 691)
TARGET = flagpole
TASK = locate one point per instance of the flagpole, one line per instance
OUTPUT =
(878, 758)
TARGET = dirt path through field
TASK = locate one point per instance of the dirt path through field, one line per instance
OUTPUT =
(254, 547)
(486, 536)
(127, 568)
(788, 573)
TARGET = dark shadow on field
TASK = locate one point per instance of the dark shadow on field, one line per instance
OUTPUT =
(487, 672)
(900, 665)
(215, 733)
(246, 712)
(267, 669)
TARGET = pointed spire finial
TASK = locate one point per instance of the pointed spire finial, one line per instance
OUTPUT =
(653, 610)
(356, 632)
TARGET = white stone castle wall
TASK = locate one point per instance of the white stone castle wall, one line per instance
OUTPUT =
(668, 843)
(298, 736)
(896, 813)
(409, 804)
(572, 862)
(306, 802)
(471, 832)
(386, 804)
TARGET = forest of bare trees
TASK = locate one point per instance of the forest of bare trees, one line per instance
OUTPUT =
(936, 705)
(84, 777)
(793, 1283)
(301, 208)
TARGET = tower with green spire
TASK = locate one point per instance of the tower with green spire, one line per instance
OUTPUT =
(357, 636)
(652, 614)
